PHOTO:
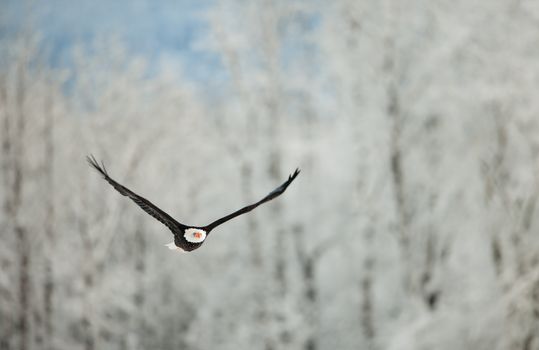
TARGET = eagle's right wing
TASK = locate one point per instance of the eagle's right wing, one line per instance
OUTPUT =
(275, 193)
(145, 204)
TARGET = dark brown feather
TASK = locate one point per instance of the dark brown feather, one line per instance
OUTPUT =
(275, 193)
(142, 202)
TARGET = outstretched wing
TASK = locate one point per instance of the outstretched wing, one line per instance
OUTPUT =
(145, 204)
(275, 193)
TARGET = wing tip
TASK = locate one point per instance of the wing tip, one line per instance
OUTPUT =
(293, 176)
(95, 164)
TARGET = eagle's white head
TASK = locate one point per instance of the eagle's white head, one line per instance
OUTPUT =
(195, 235)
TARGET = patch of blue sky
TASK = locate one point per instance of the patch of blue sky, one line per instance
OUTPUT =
(299, 47)
(164, 32)
(150, 29)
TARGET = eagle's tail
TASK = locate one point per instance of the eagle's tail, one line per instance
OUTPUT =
(171, 246)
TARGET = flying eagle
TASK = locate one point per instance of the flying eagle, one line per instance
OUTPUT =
(186, 237)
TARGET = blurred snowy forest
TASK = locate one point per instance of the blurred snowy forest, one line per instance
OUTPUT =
(413, 225)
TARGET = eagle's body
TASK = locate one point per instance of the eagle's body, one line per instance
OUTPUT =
(191, 239)
(186, 238)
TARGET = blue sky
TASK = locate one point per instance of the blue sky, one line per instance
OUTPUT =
(160, 31)
(149, 28)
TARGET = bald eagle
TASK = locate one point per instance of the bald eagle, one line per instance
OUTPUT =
(186, 237)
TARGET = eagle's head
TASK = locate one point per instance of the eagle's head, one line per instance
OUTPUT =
(194, 235)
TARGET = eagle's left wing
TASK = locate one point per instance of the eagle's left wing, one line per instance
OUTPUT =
(142, 202)
(275, 193)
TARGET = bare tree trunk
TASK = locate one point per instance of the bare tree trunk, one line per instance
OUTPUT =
(88, 327)
(397, 176)
(280, 244)
(48, 278)
(510, 255)
(252, 226)
(397, 173)
(280, 239)
(260, 312)
(272, 101)
(23, 243)
(414, 284)
(308, 262)
(393, 111)
(24, 286)
(7, 326)
(139, 297)
(495, 176)
(6, 148)
(366, 293)
(311, 298)
(429, 293)
(88, 280)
